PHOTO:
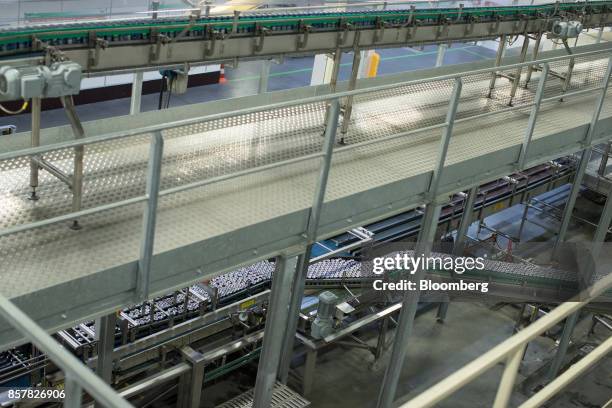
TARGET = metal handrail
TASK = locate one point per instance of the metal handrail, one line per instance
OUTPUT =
(511, 350)
(314, 99)
(78, 376)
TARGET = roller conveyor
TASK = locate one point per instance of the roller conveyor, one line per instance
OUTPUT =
(131, 43)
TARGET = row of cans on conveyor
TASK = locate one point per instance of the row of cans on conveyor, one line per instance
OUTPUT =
(196, 299)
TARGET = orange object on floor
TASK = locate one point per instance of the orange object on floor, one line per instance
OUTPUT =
(222, 78)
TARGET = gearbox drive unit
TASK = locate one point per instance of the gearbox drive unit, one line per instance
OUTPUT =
(59, 79)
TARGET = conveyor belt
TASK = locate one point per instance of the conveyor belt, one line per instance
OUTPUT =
(19, 40)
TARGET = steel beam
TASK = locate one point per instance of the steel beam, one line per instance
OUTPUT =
(276, 322)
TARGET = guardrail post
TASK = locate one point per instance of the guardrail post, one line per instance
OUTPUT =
(506, 385)
(150, 216)
(299, 283)
(584, 159)
(424, 243)
(74, 393)
(348, 106)
(136, 97)
(533, 117)
(276, 321)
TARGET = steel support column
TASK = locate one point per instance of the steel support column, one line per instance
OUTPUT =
(459, 245)
(299, 283)
(498, 59)
(105, 334)
(264, 75)
(602, 226)
(35, 141)
(408, 311)
(136, 98)
(536, 51)
(425, 240)
(276, 322)
(517, 75)
(603, 164)
(79, 154)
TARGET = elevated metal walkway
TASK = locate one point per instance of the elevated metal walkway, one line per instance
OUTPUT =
(264, 163)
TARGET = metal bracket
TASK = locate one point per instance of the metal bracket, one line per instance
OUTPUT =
(494, 26)
(258, 42)
(380, 29)
(302, 39)
(343, 35)
(159, 39)
(443, 28)
(210, 48)
(469, 28)
(235, 22)
(96, 45)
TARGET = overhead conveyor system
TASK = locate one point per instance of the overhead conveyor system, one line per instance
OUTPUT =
(237, 186)
(134, 43)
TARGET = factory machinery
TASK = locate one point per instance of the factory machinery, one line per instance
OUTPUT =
(130, 43)
(202, 332)
(228, 311)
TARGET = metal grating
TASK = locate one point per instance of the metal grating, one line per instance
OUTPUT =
(282, 397)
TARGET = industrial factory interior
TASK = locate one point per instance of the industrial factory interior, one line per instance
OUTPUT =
(306, 203)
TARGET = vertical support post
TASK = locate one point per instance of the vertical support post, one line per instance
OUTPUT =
(191, 391)
(154, 8)
(602, 226)
(35, 141)
(74, 393)
(264, 75)
(603, 164)
(333, 82)
(600, 35)
(309, 369)
(79, 153)
(423, 247)
(446, 136)
(517, 75)
(459, 245)
(466, 221)
(150, 216)
(105, 335)
(533, 117)
(297, 288)
(408, 311)
(276, 321)
(570, 70)
(568, 328)
(136, 98)
(506, 385)
(348, 106)
(498, 59)
(441, 53)
(536, 51)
